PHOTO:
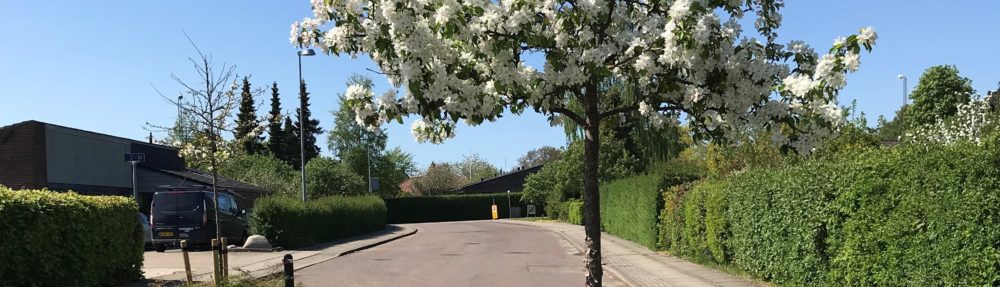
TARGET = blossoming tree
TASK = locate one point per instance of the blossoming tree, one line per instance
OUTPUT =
(451, 61)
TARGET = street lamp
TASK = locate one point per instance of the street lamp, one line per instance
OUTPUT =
(302, 121)
(510, 213)
(902, 77)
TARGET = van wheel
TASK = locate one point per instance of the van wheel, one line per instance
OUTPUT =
(161, 248)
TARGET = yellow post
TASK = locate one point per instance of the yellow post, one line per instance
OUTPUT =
(187, 261)
(494, 207)
(215, 262)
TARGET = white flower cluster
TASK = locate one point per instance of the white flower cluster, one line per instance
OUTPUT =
(466, 59)
(968, 124)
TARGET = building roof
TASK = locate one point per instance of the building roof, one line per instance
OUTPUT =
(89, 132)
(519, 173)
(204, 178)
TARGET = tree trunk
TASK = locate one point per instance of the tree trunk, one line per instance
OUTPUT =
(215, 191)
(591, 195)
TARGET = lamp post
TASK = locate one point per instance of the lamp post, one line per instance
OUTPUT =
(302, 122)
(510, 213)
(902, 77)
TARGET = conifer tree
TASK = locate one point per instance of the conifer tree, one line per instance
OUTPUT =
(311, 126)
(246, 121)
(276, 135)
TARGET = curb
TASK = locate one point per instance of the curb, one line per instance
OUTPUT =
(363, 247)
(581, 249)
(387, 240)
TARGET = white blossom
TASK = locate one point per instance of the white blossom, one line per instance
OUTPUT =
(852, 61)
(465, 61)
(867, 36)
(679, 9)
(799, 84)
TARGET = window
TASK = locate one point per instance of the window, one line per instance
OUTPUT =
(225, 203)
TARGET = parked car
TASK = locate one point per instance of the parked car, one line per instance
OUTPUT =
(189, 214)
(147, 232)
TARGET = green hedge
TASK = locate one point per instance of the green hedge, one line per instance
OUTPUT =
(450, 207)
(629, 208)
(907, 216)
(574, 211)
(65, 239)
(289, 223)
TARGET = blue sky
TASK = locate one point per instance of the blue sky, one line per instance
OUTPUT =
(93, 66)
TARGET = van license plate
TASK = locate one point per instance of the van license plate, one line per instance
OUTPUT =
(166, 234)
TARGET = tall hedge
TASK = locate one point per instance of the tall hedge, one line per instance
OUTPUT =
(908, 216)
(450, 207)
(289, 223)
(630, 206)
(65, 239)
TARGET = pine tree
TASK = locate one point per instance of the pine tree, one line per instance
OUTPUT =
(311, 125)
(246, 121)
(276, 135)
(290, 144)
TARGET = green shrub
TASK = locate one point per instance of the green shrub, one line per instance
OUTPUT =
(449, 207)
(629, 208)
(676, 178)
(264, 171)
(716, 223)
(574, 211)
(694, 224)
(562, 180)
(65, 239)
(289, 223)
(671, 220)
(556, 210)
(327, 177)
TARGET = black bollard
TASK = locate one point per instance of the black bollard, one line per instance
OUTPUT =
(289, 271)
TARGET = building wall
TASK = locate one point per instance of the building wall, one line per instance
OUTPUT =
(22, 156)
(78, 157)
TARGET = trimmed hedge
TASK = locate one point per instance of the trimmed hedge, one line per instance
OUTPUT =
(907, 216)
(693, 221)
(449, 207)
(66, 239)
(629, 208)
(289, 223)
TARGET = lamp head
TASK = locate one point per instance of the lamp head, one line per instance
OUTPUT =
(307, 52)
(900, 76)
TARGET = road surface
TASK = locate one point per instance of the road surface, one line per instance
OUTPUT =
(467, 253)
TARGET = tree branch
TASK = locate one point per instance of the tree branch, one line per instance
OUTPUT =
(570, 114)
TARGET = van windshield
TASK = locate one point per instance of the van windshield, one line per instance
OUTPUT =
(180, 201)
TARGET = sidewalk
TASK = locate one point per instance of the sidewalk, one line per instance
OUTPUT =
(639, 266)
(169, 265)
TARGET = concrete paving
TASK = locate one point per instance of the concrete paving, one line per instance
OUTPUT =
(639, 266)
(169, 265)
(466, 253)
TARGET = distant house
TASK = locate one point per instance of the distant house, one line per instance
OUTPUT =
(512, 181)
(39, 155)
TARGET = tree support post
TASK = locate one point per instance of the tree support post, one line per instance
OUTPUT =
(187, 261)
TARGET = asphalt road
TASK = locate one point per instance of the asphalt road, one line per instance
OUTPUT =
(467, 253)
